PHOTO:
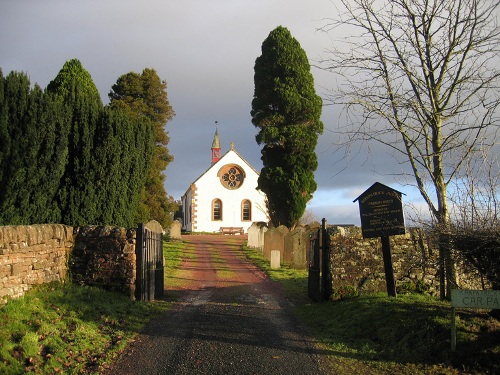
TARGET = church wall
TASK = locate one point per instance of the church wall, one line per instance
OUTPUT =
(208, 188)
(187, 210)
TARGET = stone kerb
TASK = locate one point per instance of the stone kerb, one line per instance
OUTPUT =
(274, 239)
(31, 255)
(105, 256)
(256, 235)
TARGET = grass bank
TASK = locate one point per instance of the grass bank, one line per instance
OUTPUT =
(409, 334)
(68, 329)
(72, 329)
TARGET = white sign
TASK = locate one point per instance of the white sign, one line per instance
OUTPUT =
(475, 299)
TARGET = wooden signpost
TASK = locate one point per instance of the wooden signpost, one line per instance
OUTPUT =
(381, 211)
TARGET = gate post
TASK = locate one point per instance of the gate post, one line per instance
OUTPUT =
(150, 263)
(326, 280)
(140, 266)
(313, 279)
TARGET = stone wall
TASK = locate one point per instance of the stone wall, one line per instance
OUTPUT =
(357, 263)
(104, 256)
(91, 255)
(31, 255)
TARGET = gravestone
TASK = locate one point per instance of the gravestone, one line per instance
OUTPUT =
(275, 259)
(175, 230)
(274, 239)
(256, 235)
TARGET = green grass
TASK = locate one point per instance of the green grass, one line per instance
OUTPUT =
(72, 329)
(377, 334)
(174, 252)
(64, 328)
(69, 329)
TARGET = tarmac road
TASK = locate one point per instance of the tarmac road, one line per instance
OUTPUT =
(231, 319)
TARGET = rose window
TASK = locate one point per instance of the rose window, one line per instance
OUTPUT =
(231, 176)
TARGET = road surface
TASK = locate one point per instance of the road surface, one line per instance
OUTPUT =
(230, 319)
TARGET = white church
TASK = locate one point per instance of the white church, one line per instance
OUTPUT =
(224, 196)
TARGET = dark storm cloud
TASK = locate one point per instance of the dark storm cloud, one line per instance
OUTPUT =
(206, 53)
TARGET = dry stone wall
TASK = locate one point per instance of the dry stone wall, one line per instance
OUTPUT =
(31, 255)
(93, 255)
(104, 256)
(357, 263)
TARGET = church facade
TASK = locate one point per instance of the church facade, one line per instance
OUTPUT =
(225, 195)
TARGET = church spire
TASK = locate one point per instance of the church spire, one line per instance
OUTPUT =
(216, 146)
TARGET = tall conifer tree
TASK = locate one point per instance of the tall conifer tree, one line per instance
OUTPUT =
(287, 111)
(13, 115)
(124, 149)
(145, 96)
(33, 152)
(77, 195)
(65, 158)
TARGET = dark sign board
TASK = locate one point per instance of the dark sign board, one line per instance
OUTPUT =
(381, 211)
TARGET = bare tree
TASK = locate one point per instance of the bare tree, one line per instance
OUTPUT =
(475, 196)
(420, 77)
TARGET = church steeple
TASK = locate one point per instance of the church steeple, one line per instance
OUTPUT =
(216, 146)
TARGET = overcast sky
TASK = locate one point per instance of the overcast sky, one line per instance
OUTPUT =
(205, 51)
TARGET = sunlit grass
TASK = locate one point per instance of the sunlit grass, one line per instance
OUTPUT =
(64, 328)
(378, 334)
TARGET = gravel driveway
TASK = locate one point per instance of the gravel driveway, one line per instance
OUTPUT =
(231, 319)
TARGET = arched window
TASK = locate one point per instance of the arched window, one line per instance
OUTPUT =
(246, 210)
(216, 209)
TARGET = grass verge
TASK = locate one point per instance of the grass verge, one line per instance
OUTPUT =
(377, 334)
(68, 329)
(173, 253)
(72, 329)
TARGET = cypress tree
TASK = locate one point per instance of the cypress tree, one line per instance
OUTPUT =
(51, 158)
(44, 151)
(33, 152)
(144, 96)
(14, 113)
(286, 110)
(66, 158)
(77, 193)
(123, 152)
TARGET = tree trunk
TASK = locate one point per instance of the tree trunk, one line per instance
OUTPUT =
(447, 262)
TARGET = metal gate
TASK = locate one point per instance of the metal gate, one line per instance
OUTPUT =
(149, 254)
(319, 287)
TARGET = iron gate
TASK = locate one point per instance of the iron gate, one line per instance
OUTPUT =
(319, 286)
(149, 255)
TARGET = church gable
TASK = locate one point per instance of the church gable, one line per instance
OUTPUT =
(225, 195)
(231, 170)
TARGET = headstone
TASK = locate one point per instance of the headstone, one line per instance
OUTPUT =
(256, 235)
(175, 230)
(274, 239)
(295, 248)
(275, 259)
